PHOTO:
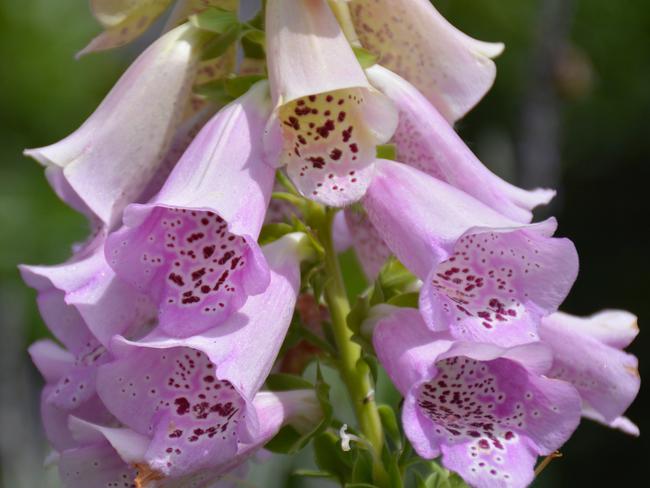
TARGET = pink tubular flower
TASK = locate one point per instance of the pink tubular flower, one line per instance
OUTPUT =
(486, 277)
(588, 352)
(411, 38)
(193, 248)
(329, 117)
(103, 455)
(192, 397)
(488, 410)
(426, 141)
(107, 163)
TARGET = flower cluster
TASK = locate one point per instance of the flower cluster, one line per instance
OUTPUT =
(172, 314)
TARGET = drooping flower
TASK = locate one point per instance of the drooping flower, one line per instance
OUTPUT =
(411, 38)
(588, 353)
(328, 117)
(192, 397)
(193, 248)
(488, 410)
(109, 160)
(487, 278)
(426, 141)
(103, 455)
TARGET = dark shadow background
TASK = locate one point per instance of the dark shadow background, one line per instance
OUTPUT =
(570, 109)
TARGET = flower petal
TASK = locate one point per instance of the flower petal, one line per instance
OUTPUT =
(193, 247)
(411, 38)
(426, 141)
(330, 117)
(489, 414)
(487, 278)
(192, 396)
(606, 377)
(105, 161)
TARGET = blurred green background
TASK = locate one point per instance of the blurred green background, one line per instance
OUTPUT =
(570, 109)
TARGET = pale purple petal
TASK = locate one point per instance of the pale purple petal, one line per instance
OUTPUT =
(370, 248)
(486, 278)
(426, 141)
(621, 423)
(96, 465)
(487, 412)
(192, 396)
(109, 160)
(614, 328)
(82, 300)
(411, 38)
(193, 248)
(606, 377)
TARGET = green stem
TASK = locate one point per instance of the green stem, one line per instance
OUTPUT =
(357, 379)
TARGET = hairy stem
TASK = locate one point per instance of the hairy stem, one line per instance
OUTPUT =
(356, 378)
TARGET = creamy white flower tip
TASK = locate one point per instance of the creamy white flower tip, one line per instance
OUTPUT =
(453, 70)
(110, 159)
(329, 116)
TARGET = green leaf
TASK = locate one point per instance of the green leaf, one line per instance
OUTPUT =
(214, 91)
(387, 151)
(285, 382)
(392, 467)
(389, 421)
(409, 300)
(220, 44)
(286, 441)
(256, 36)
(361, 469)
(272, 232)
(311, 473)
(394, 279)
(331, 458)
(239, 85)
(366, 58)
(215, 20)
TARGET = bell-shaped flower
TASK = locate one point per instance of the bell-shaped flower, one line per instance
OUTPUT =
(192, 397)
(488, 410)
(103, 455)
(85, 294)
(487, 278)
(426, 141)
(193, 248)
(109, 160)
(327, 115)
(588, 353)
(411, 38)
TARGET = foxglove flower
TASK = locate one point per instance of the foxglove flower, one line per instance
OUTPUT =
(108, 161)
(426, 141)
(327, 115)
(84, 294)
(193, 247)
(487, 278)
(588, 352)
(102, 455)
(488, 410)
(411, 38)
(192, 397)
